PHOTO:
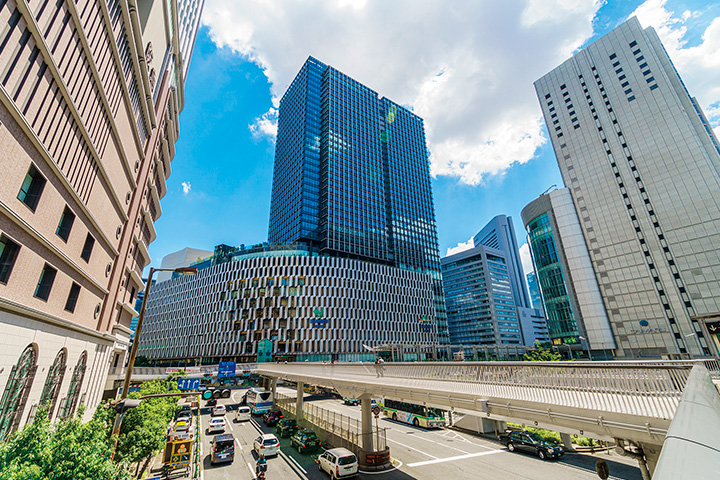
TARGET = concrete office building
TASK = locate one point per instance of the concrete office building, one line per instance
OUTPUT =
(307, 304)
(89, 104)
(480, 304)
(181, 258)
(641, 163)
(574, 309)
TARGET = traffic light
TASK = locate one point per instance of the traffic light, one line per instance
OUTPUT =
(208, 394)
(225, 393)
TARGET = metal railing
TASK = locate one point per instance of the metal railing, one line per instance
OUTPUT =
(651, 389)
(323, 422)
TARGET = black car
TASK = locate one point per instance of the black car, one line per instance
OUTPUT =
(271, 417)
(286, 427)
(305, 440)
(531, 442)
(211, 402)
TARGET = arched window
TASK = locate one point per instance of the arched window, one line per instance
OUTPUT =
(53, 381)
(16, 391)
(75, 384)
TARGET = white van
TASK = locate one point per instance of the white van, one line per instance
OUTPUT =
(338, 463)
(242, 414)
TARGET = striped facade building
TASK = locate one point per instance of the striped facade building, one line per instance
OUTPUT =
(308, 306)
(90, 93)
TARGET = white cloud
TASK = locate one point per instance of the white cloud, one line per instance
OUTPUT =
(186, 187)
(699, 66)
(460, 247)
(265, 125)
(466, 67)
(526, 259)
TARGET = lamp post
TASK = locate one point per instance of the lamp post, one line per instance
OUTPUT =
(136, 342)
(588, 344)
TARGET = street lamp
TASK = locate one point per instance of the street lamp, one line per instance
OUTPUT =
(136, 342)
(588, 344)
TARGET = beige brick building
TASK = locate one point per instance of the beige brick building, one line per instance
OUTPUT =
(90, 92)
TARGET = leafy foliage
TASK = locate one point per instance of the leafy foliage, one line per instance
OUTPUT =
(143, 429)
(67, 450)
(551, 436)
(541, 354)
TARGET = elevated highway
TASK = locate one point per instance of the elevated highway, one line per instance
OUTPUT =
(630, 402)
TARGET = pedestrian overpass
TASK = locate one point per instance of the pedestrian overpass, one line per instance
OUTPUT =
(629, 402)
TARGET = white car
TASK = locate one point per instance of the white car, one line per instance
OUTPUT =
(217, 424)
(339, 463)
(242, 414)
(218, 410)
(267, 445)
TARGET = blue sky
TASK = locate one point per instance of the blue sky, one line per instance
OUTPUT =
(490, 157)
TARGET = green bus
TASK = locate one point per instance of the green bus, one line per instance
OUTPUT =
(417, 415)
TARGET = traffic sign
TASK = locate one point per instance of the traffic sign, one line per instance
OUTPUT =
(188, 383)
(226, 369)
(376, 409)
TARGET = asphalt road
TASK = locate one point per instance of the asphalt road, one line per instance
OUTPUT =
(420, 454)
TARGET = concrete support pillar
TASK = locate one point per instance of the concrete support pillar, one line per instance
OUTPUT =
(567, 441)
(417, 352)
(299, 402)
(651, 454)
(273, 387)
(366, 422)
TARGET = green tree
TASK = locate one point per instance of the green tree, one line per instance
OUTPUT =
(66, 450)
(541, 354)
(143, 429)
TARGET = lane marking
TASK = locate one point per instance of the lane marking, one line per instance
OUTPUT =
(252, 470)
(228, 422)
(412, 448)
(238, 443)
(452, 459)
(296, 463)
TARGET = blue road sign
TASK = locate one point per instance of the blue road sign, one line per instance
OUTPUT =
(188, 383)
(226, 369)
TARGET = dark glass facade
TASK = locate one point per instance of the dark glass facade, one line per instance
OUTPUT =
(352, 176)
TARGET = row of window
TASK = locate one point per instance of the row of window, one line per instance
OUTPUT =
(21, 380)
(30, 193)
(8, 255)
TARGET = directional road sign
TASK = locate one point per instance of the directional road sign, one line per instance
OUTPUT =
(188, 383)
(226, 369)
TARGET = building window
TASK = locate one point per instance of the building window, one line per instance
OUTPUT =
(32, 188)
(87, 248)
(74, 390)
(72, 297)
(46, 282)
(16, 391)
(54, 380)
(66, 223)
(8, 254)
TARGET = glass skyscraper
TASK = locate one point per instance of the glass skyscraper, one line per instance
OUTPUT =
(352, 176)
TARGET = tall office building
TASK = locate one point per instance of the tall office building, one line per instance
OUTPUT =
(534, 289)
(576, 316)
(499, 233)
(89, 103)
(642, 166)
(352, 176)
(479, 297)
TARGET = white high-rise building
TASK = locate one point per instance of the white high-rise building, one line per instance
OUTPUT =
(642, 165)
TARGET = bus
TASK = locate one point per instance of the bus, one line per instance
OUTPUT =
(418, 415)
(259, 400)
